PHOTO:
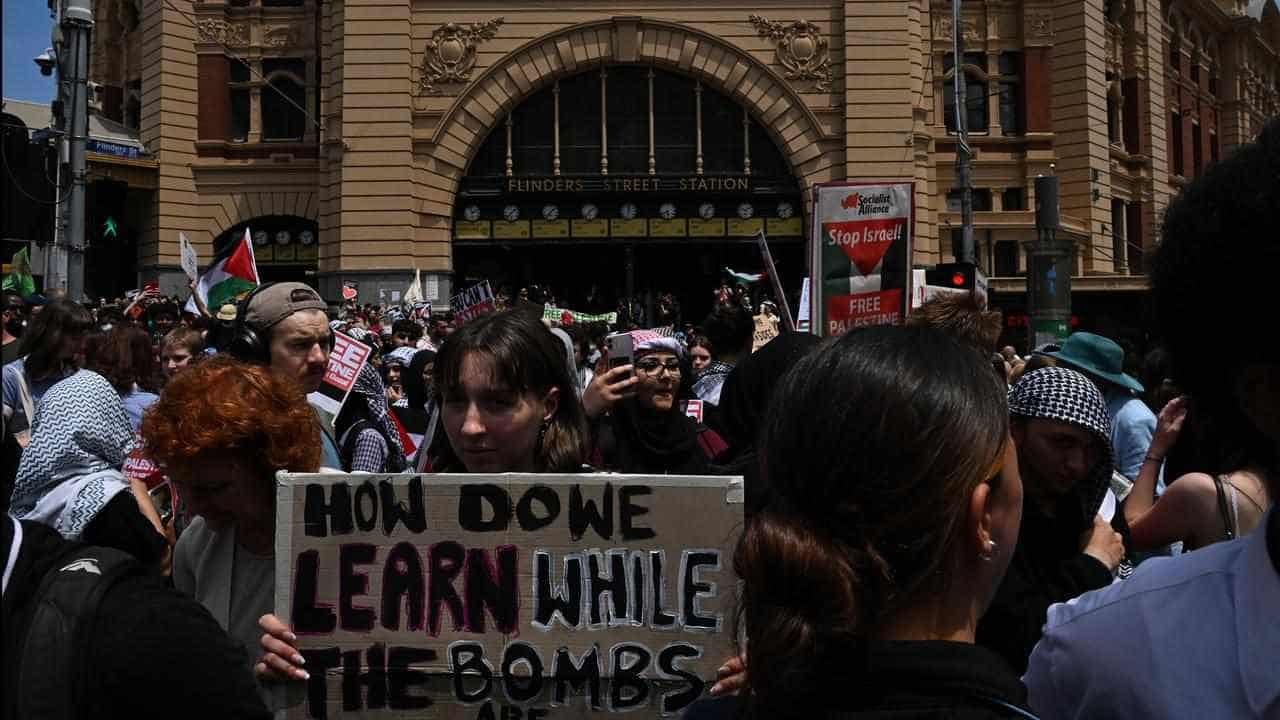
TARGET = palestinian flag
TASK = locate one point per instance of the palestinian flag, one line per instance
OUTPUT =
(232, 273)
(744, 278)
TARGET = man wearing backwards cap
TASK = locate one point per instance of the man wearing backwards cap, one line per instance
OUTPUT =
(1132, 422)
(294, 342)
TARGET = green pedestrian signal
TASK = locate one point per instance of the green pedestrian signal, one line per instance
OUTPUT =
(109, 228)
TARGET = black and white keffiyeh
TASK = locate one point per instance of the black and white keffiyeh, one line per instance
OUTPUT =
(1062, 394)
(79, 440)
(370, 390)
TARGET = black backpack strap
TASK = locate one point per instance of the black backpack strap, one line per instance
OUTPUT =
(1222, 508)
(52, 674)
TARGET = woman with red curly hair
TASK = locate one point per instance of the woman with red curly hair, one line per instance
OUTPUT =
(221, 430)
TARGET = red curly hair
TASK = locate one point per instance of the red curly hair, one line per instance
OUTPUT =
(226, 406)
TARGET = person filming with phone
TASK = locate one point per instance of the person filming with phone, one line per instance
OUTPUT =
(637, 411)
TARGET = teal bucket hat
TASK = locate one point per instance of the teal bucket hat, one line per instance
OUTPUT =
(1098, 356)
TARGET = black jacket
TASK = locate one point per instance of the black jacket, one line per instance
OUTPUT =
(1047, 568)
(924, 680)
(154, 653)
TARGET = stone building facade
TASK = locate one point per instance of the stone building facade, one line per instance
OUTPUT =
(364, 139)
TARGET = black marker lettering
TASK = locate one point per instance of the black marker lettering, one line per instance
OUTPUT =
(375, 679)
(546, 601)
(352, 583)
(615, 584)
(471, 508)
(366, 506)
(401, 676)
(307, 615)
(678, 700)
(414, 517)
(320, 661)
(446, 561)
(550, 501)
(626, 676)
(469, 656)
(521, 689)
(661, 618)
(327, 516)
(629, 511)
(568, 675)
(403, 582)
(691, 587)
(584, 512)
(494, 588)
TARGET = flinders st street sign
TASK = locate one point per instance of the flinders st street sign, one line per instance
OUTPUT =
(629, 184)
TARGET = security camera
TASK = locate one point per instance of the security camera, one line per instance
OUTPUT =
(46, 61)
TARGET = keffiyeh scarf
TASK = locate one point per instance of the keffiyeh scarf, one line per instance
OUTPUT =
(1057, 393)
(79, 440)
(373, 393)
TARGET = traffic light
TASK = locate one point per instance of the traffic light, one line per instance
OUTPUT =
(957, 277)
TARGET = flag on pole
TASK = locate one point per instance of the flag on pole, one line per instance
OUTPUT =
(744, 278)
(19, 278)
(413, 295)
(232, 273)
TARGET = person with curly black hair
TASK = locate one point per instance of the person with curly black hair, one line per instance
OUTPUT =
(1203, 624)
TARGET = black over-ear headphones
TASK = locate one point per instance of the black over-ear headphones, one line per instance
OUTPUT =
(246, 345)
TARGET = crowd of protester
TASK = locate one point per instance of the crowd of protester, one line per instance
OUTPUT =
(934, 526)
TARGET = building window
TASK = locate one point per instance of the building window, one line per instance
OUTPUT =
(1213, 146)
(1195, 73)
(284, 99)
(981, 198)
(1119, 253)
(580, 124)
(628, 121)
(238, 73)
(674, 130)
(1006, 259)
(1175, 53)
(1213, 82)
(1011, 120)
(1114, 126)
(1175, 141)
(976, 116)
(1013, 198)
(533, 134)
(1197, 149)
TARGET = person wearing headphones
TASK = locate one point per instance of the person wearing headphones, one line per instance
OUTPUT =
(285, 327)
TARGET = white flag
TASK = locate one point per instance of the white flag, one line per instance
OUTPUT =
(414, 293)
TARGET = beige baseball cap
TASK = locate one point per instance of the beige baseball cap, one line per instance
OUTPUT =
(278, 301)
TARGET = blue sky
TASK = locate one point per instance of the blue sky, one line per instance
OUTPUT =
(26, 35)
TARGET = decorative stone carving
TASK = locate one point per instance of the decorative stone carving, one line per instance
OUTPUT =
(282, 36)
(969, 29)
(1038, 24)
(801, 49)
(223, 32)
(451, 53)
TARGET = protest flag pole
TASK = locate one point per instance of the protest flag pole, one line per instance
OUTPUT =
(784, 308)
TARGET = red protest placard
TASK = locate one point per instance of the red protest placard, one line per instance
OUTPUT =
(345, 361)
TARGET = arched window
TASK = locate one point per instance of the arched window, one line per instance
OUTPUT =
(603, 119)
(283, 98)
(975, 71)
(238, 76)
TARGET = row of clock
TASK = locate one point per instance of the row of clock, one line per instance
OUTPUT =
(628, 211)
(283, 237)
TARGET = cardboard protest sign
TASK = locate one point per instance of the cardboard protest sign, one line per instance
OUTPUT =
(861, 254)
(502, 596)
(766, 330)
(471, 303)
(349, 291)
(802, 315)
(345, 361)
(190, 262)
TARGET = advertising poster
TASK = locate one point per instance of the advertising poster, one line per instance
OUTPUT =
(506, 596)
(861, 255)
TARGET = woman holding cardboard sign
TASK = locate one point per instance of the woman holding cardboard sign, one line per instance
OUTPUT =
(896, 504)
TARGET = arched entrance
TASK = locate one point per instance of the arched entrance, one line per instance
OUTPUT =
(286, 247)
(626, 181)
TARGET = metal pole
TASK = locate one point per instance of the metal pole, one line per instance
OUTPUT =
(964, 176)
(78, 21)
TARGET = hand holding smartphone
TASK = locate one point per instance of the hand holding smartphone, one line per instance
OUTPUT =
(621, 347)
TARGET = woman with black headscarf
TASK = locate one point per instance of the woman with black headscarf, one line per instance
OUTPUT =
(639, 415)
(368, 438)
(744, 405)
(416, 411)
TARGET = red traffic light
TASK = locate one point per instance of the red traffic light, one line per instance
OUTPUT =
(957, 279)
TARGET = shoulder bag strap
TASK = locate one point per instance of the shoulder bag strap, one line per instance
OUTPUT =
(1222, 508)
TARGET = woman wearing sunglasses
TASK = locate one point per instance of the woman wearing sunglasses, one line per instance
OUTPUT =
(638, 414)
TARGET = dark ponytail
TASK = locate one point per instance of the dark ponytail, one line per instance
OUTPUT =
(873, 448)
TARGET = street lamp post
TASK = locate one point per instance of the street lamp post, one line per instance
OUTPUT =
(77, 22)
